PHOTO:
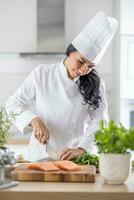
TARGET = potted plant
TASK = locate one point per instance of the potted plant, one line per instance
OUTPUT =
(6, 157)
(5, 124)
(114, 143)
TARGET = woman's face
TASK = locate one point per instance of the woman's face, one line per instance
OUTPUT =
(77, 65)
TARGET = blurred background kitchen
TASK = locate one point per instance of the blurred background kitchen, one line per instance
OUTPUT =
(38, 31)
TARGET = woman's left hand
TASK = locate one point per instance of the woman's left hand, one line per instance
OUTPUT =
(70, 153)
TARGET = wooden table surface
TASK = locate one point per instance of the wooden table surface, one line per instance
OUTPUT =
(70, 191)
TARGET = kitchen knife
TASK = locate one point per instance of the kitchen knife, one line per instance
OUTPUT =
(51, 151)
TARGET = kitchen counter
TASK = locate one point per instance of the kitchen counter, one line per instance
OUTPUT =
(70, 191)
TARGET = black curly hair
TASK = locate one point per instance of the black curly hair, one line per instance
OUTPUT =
(89, 85)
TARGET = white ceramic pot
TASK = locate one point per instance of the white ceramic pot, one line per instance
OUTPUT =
(114, 168)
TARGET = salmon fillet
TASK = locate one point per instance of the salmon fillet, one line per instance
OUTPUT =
(44, 166)
(67, 165)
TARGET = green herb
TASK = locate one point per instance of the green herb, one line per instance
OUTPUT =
(5, 124)
(114, 138)
(87, 159)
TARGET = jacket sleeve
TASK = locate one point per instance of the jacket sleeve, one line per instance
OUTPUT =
(21, 101)
(92, 120)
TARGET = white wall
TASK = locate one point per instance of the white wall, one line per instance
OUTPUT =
(18, 24)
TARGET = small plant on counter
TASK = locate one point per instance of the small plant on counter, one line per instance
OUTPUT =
(114, 143)
(87, 159)
(5, 124)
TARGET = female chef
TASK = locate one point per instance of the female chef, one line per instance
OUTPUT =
(68, 97)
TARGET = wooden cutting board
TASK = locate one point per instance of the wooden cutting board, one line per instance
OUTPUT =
(22, 173)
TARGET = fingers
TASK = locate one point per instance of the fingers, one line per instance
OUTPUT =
(66, 154)
(64, 150)
(35, 133)
(44, 139)
(71, 157)
(41, 135)
(70, 153)
(40, 130)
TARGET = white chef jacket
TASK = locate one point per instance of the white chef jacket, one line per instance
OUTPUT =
(59, 104)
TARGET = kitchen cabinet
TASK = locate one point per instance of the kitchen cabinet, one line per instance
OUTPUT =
(126, 62)
(127, 49)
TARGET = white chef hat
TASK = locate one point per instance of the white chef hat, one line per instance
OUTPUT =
(94, 39)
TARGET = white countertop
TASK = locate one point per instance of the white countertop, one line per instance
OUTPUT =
(72, 191)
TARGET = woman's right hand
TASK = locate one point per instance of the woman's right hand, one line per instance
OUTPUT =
(40, 130)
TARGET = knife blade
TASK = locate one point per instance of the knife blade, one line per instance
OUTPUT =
(51, 151)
